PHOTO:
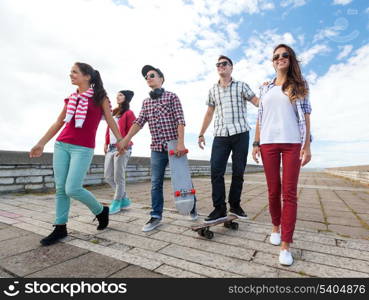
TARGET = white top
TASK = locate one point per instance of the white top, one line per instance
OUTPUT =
(113, 139)
(280, 121)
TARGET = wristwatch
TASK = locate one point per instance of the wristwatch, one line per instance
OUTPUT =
(256, 144)
(201, 135)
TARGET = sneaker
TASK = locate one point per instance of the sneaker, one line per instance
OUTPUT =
(218, 214)
(238, 212)
(275, 238)
(59, 232)
(193, 215)
(151, 224)
(285, 258)
(114, 207)
(125, 203)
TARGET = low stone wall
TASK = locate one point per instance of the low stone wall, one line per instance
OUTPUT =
(356, 173)
(19, 173)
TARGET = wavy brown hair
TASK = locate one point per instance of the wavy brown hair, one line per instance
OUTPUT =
(295, 85)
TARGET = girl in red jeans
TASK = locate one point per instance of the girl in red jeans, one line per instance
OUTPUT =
(283, 133)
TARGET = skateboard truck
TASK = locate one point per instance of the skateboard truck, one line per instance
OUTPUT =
(204, 229)
(184, 192)
(174, 152)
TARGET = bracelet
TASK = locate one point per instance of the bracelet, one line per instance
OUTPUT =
(200, 136)
(256, 144)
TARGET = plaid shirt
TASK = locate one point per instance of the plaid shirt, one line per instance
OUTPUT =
(301, 107)
(230, 107)
(164, 115)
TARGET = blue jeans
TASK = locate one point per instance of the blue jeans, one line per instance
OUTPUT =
(222, 147)
(71, 163)
(159, 161)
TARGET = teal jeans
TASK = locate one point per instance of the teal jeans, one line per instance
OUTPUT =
(71, 163)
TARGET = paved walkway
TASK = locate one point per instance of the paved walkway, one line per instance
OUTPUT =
(331, 237)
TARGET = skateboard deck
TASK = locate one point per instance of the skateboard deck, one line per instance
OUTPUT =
(183, 191)
(203, 229)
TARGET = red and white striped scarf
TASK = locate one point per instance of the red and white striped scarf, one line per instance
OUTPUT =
(80, 110)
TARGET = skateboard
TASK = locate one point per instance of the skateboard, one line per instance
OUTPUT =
(183, 191)
(203, 229)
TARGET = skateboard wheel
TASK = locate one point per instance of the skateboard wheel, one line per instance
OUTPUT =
(209, 234)
(171, 152)
(177, 193)
(234, 226)
(193, 191)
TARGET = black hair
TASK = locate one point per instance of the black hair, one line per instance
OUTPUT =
(227, 58)
(95, 82)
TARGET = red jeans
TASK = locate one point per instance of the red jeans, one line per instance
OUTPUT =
(271, 155)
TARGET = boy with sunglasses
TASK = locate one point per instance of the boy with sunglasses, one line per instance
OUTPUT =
(227, 99)
(163, 111)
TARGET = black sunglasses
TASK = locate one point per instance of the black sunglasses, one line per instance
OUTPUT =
(152, 75)
(223, 63)
(283, 55)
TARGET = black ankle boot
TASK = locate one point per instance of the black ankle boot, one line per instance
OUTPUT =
(103, 218)
(60, 231)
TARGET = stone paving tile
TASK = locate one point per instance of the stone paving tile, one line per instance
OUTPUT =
(133, 271)
(133, 240)
(40, 258)
(204, 245)
(183, 264)
(344, 252)
(353, 244)
(219, 261)
(19, 245)
(177, 273)
(11, 233)
(309, 268)
(117, 254)
(339, 262)
(87, 265)
(354, 232)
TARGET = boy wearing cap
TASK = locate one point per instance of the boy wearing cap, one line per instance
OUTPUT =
(228, 99)
(163, 111)
(115, 166)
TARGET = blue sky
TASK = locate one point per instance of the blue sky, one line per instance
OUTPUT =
(41, 40)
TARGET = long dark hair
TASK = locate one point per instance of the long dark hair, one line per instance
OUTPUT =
(121, 109)
(295, 85)
(95, 82)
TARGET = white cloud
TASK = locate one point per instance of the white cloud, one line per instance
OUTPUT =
(325, 33)
(344, 52)
(340, 109)
(41, 40)
(341, 2)
(294, 3)
(309, 54)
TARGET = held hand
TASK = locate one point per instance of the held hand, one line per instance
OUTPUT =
(180, 150)
(122, 146)
(105, 148)
(201, 142)
(256, 154)
(305, 156)
(36, 151)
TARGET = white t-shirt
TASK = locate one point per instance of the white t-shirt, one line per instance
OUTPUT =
(280, 122)
(112, 137)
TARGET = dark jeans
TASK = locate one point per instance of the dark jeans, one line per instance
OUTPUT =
(159, 161)
(222, 147)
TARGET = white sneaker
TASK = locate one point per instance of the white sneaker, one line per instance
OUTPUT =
(275, 238)
(285, 258)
